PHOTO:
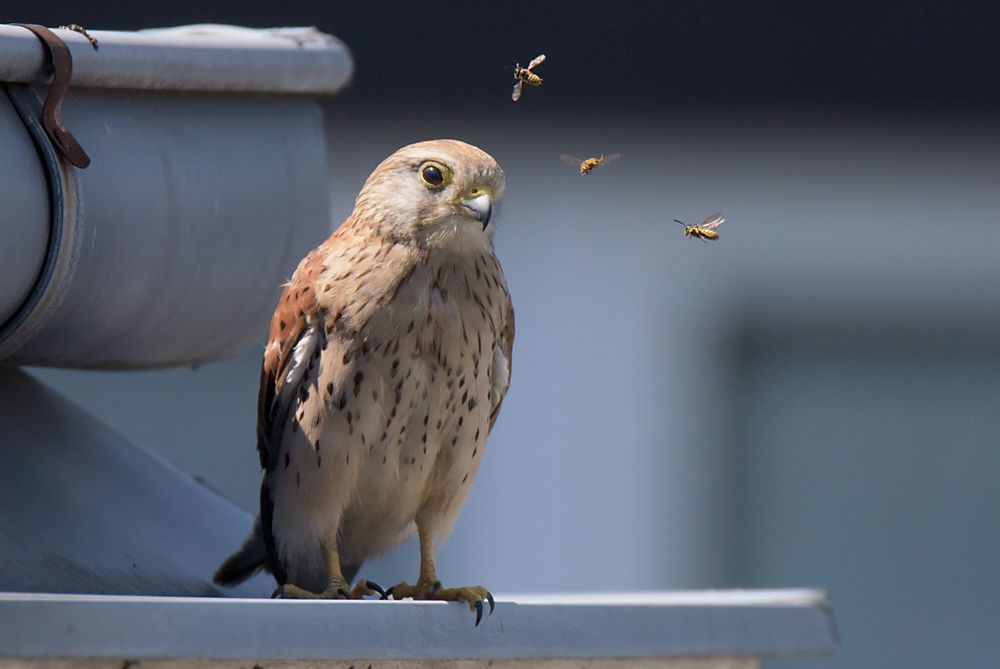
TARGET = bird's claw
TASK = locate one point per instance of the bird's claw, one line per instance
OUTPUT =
(289, 591)
(364, 587)
(333, 591)
(474, 596)
(479, 606)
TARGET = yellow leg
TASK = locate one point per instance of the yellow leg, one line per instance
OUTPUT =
(428, 566)
(336, 587)
(428, 586)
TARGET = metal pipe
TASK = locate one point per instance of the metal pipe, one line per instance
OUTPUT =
(24, 212)
(193, 58)
(171, 246)
(175, 241)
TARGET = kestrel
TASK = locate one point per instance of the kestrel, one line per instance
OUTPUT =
(388, 359)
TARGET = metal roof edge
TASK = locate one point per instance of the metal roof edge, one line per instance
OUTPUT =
(206, 57)
(139, 628)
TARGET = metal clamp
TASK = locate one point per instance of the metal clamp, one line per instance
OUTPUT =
(62, 73)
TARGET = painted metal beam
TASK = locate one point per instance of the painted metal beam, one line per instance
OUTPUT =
(191, 58)
(649, 625)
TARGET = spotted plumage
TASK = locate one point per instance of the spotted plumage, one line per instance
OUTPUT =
(386, 365)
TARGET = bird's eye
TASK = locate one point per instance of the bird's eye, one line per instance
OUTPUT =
(433, 175)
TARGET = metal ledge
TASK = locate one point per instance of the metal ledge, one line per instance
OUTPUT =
(194, 58)
(721, 624)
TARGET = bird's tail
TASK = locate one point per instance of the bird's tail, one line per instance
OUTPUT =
(242, 564)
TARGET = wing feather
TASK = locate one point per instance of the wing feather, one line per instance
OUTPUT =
(303, 321)
(502, 361)
(296, 329)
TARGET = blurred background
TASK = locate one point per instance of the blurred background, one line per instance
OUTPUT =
(813, 400)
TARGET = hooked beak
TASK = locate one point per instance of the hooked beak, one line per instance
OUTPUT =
(481, 208)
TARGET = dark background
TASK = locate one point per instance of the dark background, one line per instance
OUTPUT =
(711, 55)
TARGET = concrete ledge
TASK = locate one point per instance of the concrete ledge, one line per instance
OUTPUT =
(731, 628)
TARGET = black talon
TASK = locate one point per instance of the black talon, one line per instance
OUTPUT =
(435, 586)
(388, 593)
(493, 604)
(479, 611)
(377, 588)
(277, 593)
(343, 593)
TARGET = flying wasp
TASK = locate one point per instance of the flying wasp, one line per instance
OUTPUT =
(706, 231)
(524, 75)
(590, 164)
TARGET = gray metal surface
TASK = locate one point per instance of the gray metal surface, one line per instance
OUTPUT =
(657, 625)
(84, 511)
(176, 239)
(24, 199)
(200, 58)
(541, 663)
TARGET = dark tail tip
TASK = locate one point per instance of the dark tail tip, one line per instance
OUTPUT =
(236, 569)
(244, 563)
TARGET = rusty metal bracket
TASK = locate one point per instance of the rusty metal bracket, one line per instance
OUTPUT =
(62, 73)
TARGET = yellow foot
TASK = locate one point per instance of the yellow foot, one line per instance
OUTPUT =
(472, 595)
(333, 591)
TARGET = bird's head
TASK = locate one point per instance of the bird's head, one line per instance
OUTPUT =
(435, 193)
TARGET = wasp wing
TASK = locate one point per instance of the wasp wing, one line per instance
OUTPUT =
(516, 95)
(712, 222)
(570, 159)
(538, 60)
(611, 157)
